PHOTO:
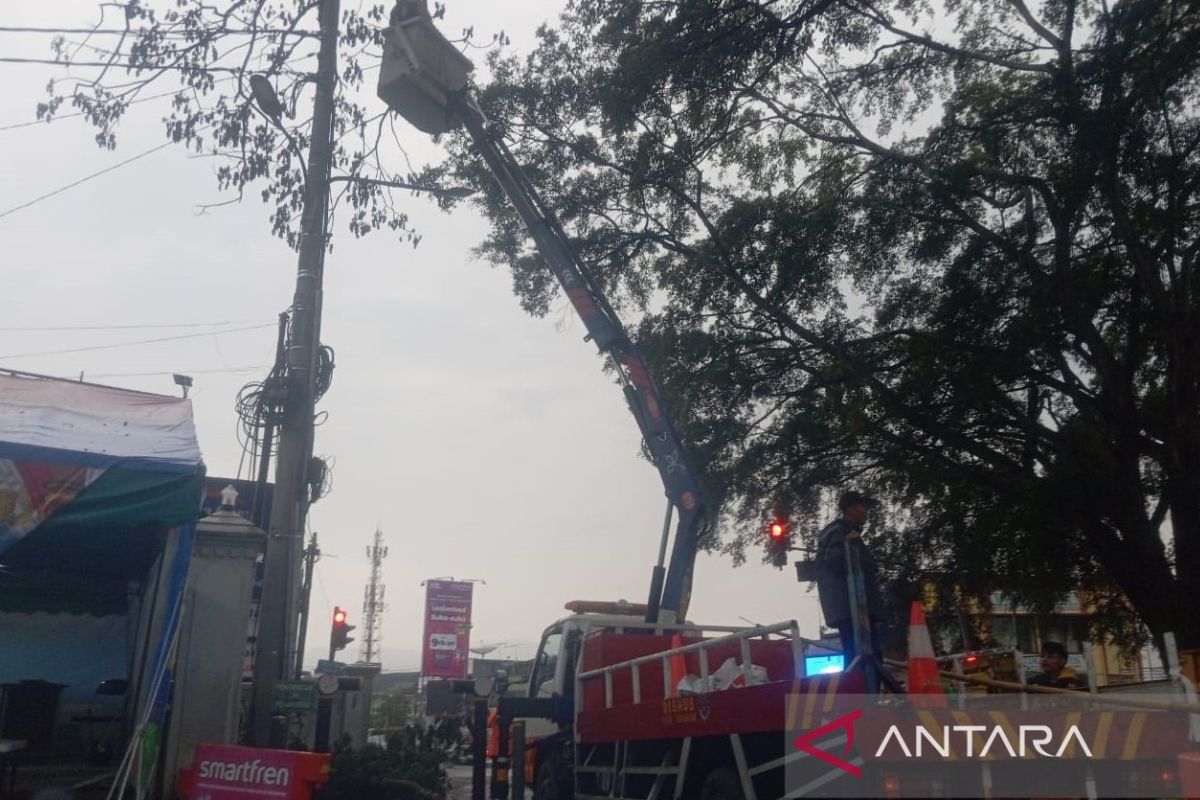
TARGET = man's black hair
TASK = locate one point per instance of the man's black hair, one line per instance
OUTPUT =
(1054, 649)
(853, 498)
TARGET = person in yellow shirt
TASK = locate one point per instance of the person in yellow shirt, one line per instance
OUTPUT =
(1055, 671)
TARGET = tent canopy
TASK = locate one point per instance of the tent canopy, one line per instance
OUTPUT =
(91, 476)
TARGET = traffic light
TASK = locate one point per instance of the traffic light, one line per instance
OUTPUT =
(779, 539)
(339, 634)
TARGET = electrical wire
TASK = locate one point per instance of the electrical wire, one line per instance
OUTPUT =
(136, 31)
(133, 344)
(324, 376)
(135, 326)
(117, 65)
(257, 404)
(85, 179)
(260, 404)
(180, 372)
(320, 477)
(135, 101)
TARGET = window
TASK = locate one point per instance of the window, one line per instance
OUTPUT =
(1004, 631)
(544, 670)
(1027, 634)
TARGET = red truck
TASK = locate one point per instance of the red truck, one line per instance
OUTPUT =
(621, 707)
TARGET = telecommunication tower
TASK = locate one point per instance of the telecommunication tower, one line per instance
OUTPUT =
(373, 605)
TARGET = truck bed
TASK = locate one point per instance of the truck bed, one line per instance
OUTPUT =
(609, 711)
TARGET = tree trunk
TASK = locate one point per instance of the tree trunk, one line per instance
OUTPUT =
(1182, 467)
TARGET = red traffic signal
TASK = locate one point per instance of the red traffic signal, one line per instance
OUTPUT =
(779, 537)
(339, 632)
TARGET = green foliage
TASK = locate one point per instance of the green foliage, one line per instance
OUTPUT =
(372, 772)
(203, 55)
(948, 251)
(392, 711)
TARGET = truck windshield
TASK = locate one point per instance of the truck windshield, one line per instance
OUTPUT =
(544, 671)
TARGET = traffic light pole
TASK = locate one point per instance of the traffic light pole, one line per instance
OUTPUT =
(277, 615)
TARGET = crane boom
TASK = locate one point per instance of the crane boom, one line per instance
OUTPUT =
(605, 329)
(423, 78)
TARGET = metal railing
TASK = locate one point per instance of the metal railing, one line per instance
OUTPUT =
(741, 636)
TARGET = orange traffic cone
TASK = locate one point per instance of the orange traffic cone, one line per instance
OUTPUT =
(923, 678)
(678, 665)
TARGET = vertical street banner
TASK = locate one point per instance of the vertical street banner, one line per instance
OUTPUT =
(446, 648)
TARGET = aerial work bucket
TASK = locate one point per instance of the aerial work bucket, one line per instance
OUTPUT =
(421, 69)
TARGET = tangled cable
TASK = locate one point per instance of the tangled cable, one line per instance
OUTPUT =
(258, 403)
(324, 377)
(263, 403)
(320, 477)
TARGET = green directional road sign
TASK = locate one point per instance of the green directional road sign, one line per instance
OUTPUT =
(289, 696)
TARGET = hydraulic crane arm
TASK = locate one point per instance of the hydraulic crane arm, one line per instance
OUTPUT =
(424, 78)
(605, 329)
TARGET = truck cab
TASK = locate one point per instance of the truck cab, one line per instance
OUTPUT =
(554, 678)
(608, 685)
(558, 651)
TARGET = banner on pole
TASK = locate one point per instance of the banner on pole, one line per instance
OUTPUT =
(445, 650)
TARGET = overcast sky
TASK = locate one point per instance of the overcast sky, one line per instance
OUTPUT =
(485, 443)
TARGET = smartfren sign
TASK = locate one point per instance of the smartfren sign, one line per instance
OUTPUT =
(225, 772)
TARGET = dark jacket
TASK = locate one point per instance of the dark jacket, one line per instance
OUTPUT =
(832, 581)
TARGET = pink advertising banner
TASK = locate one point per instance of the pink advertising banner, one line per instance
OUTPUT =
(228, 772)
(446, 649)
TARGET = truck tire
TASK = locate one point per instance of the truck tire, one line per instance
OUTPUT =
(722, 784)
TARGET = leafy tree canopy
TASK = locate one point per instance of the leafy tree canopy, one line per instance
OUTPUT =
(943, 249)
(205, 56)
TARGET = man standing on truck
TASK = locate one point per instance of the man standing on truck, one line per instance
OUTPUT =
(833, 583)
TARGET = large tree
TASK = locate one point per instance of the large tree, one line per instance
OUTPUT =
(947, 250)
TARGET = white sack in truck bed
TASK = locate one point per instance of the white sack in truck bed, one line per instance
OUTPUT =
(729, 675)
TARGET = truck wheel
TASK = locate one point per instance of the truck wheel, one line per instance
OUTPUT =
(722, 784)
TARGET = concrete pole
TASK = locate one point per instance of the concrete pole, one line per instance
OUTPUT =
(280, 597)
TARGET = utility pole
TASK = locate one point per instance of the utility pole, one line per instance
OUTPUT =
(312, 554)
(373, 605)
(289, 507)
